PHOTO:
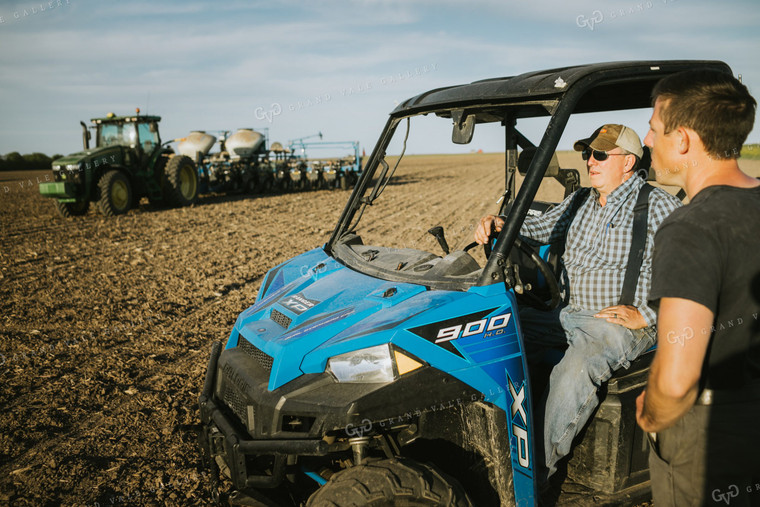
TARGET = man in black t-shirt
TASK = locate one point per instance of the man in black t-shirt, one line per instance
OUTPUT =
(701, 406)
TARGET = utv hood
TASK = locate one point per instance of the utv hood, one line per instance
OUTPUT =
(313, 302)
(312, 308)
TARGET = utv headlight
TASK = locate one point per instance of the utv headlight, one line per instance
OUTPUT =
(378, 364)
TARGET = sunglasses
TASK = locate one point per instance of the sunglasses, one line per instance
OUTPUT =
(599, 156)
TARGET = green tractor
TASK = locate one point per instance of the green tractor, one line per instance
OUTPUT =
(127, 163)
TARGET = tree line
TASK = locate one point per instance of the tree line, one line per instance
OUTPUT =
(15, 161)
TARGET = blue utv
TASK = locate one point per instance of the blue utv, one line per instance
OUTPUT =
(384, 368)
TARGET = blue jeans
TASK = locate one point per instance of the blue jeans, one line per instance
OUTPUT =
(595, 349)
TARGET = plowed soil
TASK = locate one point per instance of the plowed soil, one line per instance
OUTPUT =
(106, 324)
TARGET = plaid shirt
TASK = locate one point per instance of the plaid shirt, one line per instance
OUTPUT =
(598, 242)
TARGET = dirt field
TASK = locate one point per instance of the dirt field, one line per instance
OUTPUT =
(106, 324)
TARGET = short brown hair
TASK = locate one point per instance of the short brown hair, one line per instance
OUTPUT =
(717, 106)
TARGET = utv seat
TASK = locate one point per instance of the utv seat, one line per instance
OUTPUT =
(611, 454)
(568, 178)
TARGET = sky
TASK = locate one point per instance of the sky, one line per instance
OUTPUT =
(293, 69)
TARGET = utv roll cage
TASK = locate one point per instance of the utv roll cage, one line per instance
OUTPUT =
(557, 93)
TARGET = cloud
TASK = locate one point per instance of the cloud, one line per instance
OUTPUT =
(202, 63)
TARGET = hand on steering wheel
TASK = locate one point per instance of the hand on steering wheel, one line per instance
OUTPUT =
(543, 266)
(486, 248)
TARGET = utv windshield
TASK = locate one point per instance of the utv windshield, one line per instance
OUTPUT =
(413, 216)
(414, 220)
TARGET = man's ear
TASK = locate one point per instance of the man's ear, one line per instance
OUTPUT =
(684, 139)
(630, 161)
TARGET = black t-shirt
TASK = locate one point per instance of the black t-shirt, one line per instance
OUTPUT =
(709, 252)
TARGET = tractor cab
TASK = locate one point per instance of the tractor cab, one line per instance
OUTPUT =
(139, 132)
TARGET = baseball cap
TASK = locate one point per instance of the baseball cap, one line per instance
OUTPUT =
(610, 136)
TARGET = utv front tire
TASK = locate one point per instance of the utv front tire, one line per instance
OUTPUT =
(390, 482)
(115, 193)
(72, 209)
(180, 181)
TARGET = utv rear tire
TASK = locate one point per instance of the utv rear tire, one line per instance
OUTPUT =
(180, 181)
(390, 482)
(72, 209)
(115, 193)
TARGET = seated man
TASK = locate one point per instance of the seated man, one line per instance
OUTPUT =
(601, 334)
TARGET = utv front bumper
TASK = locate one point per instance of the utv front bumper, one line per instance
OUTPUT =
(223, 436)
(238, 450)
(254, 430)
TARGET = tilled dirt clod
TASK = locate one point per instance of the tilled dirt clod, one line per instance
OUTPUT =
(105, 332)
(106, 323)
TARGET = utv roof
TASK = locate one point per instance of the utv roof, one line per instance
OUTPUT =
(603, 86)
(111, 118)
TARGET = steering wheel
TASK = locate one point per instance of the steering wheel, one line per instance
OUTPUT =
(486, 247)
(548, 273)
(543, 266)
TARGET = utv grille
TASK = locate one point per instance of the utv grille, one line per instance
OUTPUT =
(281, 319)
(264, 360)
(235, 400)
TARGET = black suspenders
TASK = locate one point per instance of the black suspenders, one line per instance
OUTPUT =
(638, 240)
(638, 245)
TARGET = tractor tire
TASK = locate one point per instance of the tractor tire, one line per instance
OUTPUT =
(344, 182)
(390, 482)
(180, 181)
(115, 193)
(72, 209)
(157, 201)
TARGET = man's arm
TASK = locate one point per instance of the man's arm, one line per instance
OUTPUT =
(683, 334)
(539, 228)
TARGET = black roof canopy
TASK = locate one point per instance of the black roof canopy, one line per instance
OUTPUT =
(604, 87)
